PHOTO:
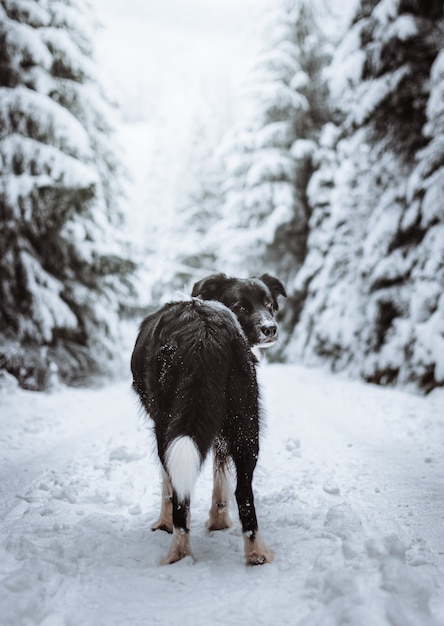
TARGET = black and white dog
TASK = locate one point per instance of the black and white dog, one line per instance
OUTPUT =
(194, 370)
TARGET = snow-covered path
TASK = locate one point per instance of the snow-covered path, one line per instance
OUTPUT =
(349, 494)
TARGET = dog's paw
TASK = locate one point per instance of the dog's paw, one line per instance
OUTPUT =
(176, 557)
(179, 549)
(261, 557)
(221, 521)
(256, 551)
(162, 524)
(218, 525)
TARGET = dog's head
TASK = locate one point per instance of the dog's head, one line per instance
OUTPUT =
(254, 301)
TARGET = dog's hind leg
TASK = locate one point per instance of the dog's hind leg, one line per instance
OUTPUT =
(182, 461)
(219, 517)
(180, 544)
(165, 521)
(256, 551)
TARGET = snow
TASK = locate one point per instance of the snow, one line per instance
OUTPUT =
(273, 135)
(270, 164)
(68, 54)
(405, 27)
(348, 62)
(385, 12)
(48, 306)
(432, 206)
(39, 157)
(33, 13)
(26, 44)
(72, 17)
(348, 491)
(278, 94)
(371, 93)
(50, 119)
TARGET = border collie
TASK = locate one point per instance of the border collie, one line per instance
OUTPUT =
(194, 370)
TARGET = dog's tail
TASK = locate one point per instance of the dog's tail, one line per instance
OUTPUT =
(183, 463)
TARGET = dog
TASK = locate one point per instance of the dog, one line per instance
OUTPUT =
(194, 370)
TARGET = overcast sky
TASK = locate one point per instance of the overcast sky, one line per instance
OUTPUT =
(152, 50)
(166, 62)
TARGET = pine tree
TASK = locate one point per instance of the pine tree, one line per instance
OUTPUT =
(194, 203)
(64, 267)
(391, 48)
(269, 158)
(371, 283)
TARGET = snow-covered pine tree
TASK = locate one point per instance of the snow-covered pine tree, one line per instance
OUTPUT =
(64, 267)
(268, 159)
(373, 278)
(196, 199)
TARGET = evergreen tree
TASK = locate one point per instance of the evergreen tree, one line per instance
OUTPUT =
(269, 159)
(64, 268)
(387, 57)
(196, 197)
(372, 282)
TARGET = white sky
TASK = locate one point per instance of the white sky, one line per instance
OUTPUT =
(164, 62)
(153, 51)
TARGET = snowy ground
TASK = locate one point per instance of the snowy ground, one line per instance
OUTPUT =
(349, 495)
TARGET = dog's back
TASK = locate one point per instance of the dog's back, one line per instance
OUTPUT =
(193, 370)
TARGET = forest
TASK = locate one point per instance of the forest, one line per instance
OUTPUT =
(332, 178)
(144, 145)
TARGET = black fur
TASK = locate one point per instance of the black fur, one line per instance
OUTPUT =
(194, 372)
(254, 302)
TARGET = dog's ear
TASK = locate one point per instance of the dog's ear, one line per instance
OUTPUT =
(211, 287)
(276, 288)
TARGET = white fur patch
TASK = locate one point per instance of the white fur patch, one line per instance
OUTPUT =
(183, 464)
(256, 350)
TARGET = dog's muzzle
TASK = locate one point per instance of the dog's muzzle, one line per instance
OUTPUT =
(269, 334)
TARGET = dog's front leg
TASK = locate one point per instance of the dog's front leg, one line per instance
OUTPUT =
(256, 551)
(219, 517)
(165, 521)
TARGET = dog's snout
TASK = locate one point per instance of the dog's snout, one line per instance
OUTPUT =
(269, 330)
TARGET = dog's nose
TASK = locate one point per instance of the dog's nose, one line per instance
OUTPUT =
(269, 330)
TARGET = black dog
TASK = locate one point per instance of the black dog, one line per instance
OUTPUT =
(194, 371)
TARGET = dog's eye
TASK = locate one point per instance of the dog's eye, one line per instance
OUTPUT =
(268, 303)
(243, 308)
